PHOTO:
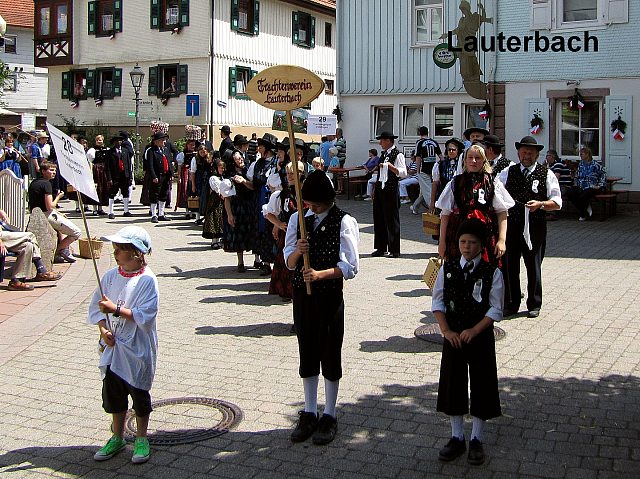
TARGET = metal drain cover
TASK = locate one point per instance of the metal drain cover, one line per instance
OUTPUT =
(186, 420)
(431, 333)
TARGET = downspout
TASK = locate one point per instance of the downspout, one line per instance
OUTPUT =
(494, 67)
(210, 76)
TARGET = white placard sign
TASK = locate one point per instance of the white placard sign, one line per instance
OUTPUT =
(72, 162)
(321, 125)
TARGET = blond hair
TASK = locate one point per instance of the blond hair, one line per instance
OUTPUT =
(486, 167)
(301, 168)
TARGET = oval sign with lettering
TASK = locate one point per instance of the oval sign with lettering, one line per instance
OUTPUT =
(443, 57)
(285, 87)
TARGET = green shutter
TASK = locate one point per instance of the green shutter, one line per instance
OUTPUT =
(155, 16)
(294, 28)
(235, 13)
(312, 33)
(232, 81)
(91, 78)
(93, 17)
(117, 15)
(66, 84)
(153, 81)
(183, 79)
(117, 81)
(256, 17)
(184, 13)
(253, 73)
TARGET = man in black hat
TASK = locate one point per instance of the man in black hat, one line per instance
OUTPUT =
(535, 189)
(493, 150)
(119, 174)
(332, 245)
(386, 197)
(161, 172)
(241, 144)
(225, 134)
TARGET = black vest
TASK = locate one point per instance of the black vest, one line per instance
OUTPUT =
(392, 178)
(102, 154)
(521, 190)
(324, 250)
(500, 165)
(462, 310)
(466, 192)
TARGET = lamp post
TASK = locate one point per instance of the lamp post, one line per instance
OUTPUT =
(137, 77)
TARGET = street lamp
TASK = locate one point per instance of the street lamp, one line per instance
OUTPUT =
(137, 77)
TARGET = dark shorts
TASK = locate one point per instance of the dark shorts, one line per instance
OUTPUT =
(115, 392)
(120, 184)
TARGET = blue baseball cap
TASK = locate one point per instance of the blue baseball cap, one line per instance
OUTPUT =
(134, 235)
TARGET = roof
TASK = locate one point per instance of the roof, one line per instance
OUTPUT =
(325, 3)
(17, 13)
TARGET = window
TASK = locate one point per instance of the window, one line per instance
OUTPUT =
(580, 128)
(62, 18)
(579, 10)
(473, 117)
(56, 24)
(102, 83)
(169, 14)
(168, 80)
(442, 121)
(10, 43)
(11, 82)
(382, 119)
(239, 76)
(427, 21)
(329, 87)
(245, 16)
(327, 34)
(574, 15)
(412, 119)
(45, 21)
(303, 30)
(105, 17)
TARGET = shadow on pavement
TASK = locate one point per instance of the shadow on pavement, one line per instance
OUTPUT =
(416, 293)
(261, 299)
(549, 428)
(400, 344)
(255, 286)
(403, 277)
(249, 331)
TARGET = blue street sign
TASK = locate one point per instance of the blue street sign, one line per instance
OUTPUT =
(193, 105)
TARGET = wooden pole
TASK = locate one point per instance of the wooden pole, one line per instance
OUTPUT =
(294, 161)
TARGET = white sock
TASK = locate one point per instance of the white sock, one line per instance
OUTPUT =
(125, 201)
(111, 202)
(331, 396)
(310, 394)
(197, 216)
(457, 426)
(161, 208)
(257, 258)
(477, 428)
(95, 207)
(77, 205)
(154, 207)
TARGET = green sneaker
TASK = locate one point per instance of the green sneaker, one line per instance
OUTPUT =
(141, 450)
(110, 449)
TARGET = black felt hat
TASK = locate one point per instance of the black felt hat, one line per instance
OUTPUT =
(492, 140)
(457, 142)
(117, 137)
(475, 227)
(225, 129)
(158, 135)
(529, 141)
(468, 131)
(240, 140)
(386, 134)
(268, 140)
(318, 188)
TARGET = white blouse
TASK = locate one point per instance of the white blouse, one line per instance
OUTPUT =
(502, 200)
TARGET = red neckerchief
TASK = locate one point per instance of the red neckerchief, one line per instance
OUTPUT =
(130, 274)
(165, 164)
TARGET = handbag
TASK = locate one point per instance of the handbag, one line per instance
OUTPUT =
(193, 202)
(431, 273)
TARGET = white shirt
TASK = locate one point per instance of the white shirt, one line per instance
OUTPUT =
(400, 164)
(496, 293)
(133, 357)
(553, 187)
(91, 154)
(349, 261)
(501, 202)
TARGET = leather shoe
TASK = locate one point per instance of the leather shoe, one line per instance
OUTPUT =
(394, 255)
(154, 219)
(307, 424)
(127, 214)
(476, 453)
(112, 216)
(377, 253)
(534, 313)
(163, 218)
(454, 448)
(326, 432)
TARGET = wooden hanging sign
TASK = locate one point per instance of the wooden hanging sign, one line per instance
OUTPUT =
(284, 87)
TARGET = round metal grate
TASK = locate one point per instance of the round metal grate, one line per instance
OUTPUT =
(186, 420)
(431, 333)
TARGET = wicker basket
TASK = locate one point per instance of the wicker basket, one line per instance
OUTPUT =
(193, 202)
(431, 273)
(84, 248)
(70, 188)
(430, 224)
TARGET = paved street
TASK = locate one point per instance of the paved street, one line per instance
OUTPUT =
(569, 380)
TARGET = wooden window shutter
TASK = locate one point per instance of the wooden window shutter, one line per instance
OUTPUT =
(183, 79)
(91, 79)
(540, 15)
(66, 84)
(117, 15)
(312, 33)
(618, 11)
(184, 13)
(253, 73)
(294, 28)
(153, 81)
(256, 17)
(235, 14)
(155, 16)
(232, 81)
(92, 16)
(117, 81)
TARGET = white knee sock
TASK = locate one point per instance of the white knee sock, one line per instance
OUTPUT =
(161, 208)
(310, 394)
(457, 426)
(111, 202)
(331, 396)
(125, 201)
(477, 429)
(197, 216)
(154, 208)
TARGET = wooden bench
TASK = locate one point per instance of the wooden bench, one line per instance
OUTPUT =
(359, 183)
(2, 261)
(608, 204)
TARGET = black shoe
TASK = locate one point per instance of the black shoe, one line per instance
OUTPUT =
(307, 424)
(241, 268)
(200, 221)
(394, 255)
(127, 214)
(534, 313)
(95, 213)
(293, 328)
(102, 213)
(377, 253)
(163, 218)
(112, 216)
(154, 219)
(265, 270)
(509, 312)
(476, 453)
(326, 432)
(257, 264)
(454, 448)
(216, 245)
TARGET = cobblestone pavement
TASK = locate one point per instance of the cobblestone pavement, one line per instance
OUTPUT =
(569, 380)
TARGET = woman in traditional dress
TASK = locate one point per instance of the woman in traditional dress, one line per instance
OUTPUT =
(200, 172)
(98, 156)
(215, 204)
(474, 194)
(184, 161)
